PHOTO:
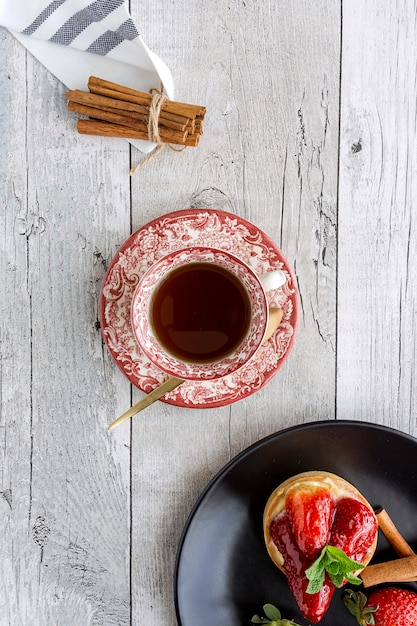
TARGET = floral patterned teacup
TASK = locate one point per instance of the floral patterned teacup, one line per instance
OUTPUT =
(201, 313)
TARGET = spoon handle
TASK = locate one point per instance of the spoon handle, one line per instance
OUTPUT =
(275, 316)
(157, 393)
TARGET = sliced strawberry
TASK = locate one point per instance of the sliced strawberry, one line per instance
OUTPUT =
(312, 605)
(384, 607)
(310, 511)
(354, 528)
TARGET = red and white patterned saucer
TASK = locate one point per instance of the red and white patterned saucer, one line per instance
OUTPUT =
(174, 231)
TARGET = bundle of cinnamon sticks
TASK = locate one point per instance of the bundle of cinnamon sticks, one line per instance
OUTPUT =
(117, 111)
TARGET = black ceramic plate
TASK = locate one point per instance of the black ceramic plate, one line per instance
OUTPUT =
(223, 572)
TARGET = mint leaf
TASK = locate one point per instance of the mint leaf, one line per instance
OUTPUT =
(337, 579)
(316, 582)
(354, 580)
(344, 559)
(333, 567)
(337, 565)
(271, 612)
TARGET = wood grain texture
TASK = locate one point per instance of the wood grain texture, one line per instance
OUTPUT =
(269, 153)
(15, 337)
(65, 483)
(377, 231)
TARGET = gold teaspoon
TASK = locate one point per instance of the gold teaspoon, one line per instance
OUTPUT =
(275, 317)
(154, 395)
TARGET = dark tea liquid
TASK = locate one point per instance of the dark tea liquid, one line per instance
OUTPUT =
(200, 312)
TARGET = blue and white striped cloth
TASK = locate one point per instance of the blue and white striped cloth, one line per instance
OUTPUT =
(75, 39)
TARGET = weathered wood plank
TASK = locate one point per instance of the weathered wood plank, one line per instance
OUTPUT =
(65, 481)
(15, 334)
(377, 242)
(269, 76)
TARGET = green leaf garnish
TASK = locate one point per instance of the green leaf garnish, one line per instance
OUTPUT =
(273, 617)
(338, 566)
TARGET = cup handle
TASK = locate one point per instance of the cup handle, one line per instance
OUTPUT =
(273, 280)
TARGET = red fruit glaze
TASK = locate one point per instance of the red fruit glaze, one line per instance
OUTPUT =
(396, 607)
(354, 528)
(312, 606)
(310, 510)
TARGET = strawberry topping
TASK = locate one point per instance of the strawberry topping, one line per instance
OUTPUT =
(312, 606)
(311, 522)
(310, 511)
(354, 528)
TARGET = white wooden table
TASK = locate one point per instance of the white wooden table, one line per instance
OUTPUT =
(311, 135)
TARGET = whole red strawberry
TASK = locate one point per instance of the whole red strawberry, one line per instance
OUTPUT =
(389, 606)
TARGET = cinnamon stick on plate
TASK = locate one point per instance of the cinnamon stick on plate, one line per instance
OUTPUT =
(391, 532)
(401, 570)
(117, 111)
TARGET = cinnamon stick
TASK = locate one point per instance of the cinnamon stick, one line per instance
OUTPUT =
(396, 571)
(91, 99)
(188, 110)
(168, 135)
(179, 110)
(399, 570)
(391, 532)
(144, 117)
(108, 129)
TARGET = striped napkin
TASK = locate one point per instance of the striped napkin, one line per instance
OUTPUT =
(75, 39)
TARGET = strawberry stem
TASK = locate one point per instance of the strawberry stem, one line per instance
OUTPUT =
(356, 601)
(273, 617)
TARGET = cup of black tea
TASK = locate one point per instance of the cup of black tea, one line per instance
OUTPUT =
(201, 313)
